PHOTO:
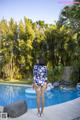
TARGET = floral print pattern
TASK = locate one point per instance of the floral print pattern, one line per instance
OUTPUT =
(40, 74)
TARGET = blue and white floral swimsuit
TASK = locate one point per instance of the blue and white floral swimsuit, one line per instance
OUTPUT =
(40, 74)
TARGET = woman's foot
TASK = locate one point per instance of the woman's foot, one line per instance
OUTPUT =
(38, 114)
(41, 114)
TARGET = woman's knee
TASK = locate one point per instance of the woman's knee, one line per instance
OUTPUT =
(42, 93)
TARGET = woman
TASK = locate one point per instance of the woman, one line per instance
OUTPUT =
(40, 83)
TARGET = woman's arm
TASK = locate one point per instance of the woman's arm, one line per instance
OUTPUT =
(34, 75)
(46, 76)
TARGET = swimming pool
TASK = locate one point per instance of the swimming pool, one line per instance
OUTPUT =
(10, 94)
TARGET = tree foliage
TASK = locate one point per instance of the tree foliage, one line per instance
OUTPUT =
(22, 43)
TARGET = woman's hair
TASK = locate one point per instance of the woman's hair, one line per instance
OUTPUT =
(41, 61)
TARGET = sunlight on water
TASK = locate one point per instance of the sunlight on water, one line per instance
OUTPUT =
(49, 94)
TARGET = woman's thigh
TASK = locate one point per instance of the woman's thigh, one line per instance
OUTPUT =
(43, 88)
(37, 89)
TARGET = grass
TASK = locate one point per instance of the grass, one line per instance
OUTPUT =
(16, 81)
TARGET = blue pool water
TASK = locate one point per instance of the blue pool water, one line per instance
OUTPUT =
(10, 94)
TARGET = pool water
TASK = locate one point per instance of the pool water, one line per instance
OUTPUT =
(10, 94)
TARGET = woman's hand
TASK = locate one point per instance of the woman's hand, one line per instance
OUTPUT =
(46, 85)
(33, 85)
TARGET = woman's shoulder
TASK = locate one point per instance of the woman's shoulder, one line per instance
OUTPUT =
(36, 65)
(43, 66)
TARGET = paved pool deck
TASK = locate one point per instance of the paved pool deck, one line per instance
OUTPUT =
(65, 111)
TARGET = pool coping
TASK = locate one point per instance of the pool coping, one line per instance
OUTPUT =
(13, 84)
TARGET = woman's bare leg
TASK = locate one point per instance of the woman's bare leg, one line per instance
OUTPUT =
(38, 102)
(42, 95)
(38, 92)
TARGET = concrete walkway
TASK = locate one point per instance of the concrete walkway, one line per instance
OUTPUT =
(65, 111)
